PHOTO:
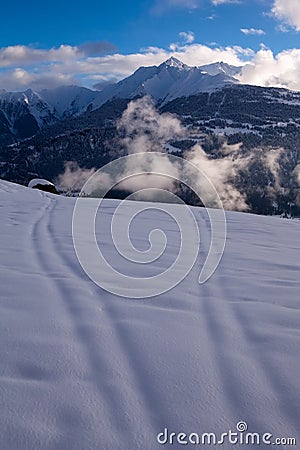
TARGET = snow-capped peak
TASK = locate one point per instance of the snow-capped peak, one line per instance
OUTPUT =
(174, 62)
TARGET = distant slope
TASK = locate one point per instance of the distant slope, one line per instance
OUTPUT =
(83, 369)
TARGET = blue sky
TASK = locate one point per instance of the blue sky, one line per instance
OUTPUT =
(41, 42)
(131, 26)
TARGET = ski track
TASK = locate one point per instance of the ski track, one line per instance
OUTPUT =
(101, 368)
(137, 364)
(257, 382)
(111, 373)
(253, 383)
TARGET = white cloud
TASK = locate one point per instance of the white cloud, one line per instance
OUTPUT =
(23, 67)
(19, 79)
(254, 31)
(288, 11)
(21, 54)
(188, 37)
(267, 69)
(160, 6)
(283, 28)
(222, 2)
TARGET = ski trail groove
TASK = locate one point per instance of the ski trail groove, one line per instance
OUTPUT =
(81, 336)
(250, 383)
(125, 360)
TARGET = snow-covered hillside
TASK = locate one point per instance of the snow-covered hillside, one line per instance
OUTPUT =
(82, 369)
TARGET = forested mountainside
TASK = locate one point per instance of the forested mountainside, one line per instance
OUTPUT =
(254, 117)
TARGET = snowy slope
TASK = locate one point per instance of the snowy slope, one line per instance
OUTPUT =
(69, 101)
(221, 67)
(82, 369)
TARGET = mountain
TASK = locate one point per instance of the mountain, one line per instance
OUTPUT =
(82, 131)
(23, 113)
(171, 79)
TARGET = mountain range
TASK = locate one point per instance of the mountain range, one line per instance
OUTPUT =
(40, 132)
(22, 114)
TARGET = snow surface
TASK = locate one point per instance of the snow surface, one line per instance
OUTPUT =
(37, 181)
(82, 369)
